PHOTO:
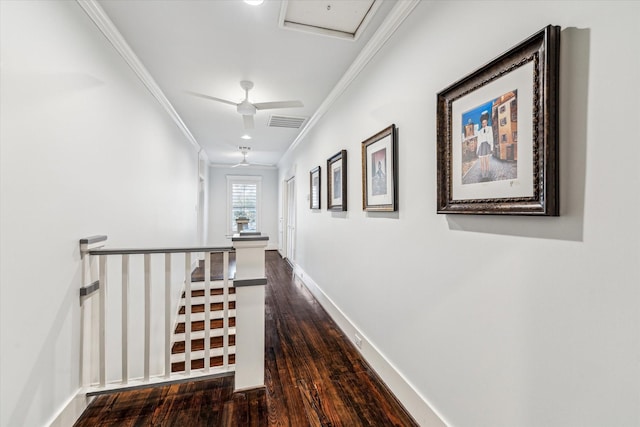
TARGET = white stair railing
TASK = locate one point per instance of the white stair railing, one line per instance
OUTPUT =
(143, 271)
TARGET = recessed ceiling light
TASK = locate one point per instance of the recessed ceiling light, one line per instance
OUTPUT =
(254, 2)
(245, 136)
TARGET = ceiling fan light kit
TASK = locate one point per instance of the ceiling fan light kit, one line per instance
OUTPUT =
(244, 151)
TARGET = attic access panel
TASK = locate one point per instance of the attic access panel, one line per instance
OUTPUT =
(334, 18)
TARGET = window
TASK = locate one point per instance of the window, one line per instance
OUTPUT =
(243, 194)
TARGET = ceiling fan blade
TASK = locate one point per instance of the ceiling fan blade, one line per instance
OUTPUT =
(248, 121)
(212, 98)
(279, 104)
(235, 166)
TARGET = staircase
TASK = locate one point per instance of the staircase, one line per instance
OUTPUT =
(213, 349)
(197, 322)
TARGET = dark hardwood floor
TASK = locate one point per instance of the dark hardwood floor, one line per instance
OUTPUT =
(314, 377)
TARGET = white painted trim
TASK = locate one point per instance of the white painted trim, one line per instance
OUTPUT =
(70, 411)
(176, 309)
(157, 380)
(396, 17)
(401, 387)
(105, 25)
(168, 331)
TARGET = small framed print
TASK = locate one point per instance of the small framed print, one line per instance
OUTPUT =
(380, 172)
(497, 134)
(337, 182)
(314, 188)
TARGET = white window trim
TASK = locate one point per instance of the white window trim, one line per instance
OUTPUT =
(244, 179)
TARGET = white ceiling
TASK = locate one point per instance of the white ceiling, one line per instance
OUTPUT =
(209, 46)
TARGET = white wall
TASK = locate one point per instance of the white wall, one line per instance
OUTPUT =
(545, 331)
(218, 229)
(85, 150)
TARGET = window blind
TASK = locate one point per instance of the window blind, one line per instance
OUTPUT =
(244, 204)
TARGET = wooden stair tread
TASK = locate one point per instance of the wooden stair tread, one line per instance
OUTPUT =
(214, 292)
(198, 308)
(198, 344)
(198, 325)
(199, 363)
(215, 306)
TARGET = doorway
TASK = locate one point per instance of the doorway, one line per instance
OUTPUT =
(289, 226)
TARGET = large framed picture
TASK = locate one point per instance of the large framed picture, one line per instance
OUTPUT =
(497, 147)
(337, 182)
(314, 184)
(380, 171)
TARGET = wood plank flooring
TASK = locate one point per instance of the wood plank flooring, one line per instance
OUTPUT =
(314, 377)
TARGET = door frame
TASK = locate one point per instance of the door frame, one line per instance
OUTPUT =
(289, 219)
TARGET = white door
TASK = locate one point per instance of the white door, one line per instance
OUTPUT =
(282, 225)
(291, 221)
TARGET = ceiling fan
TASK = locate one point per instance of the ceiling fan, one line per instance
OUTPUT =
(248, 109)
(244, 162)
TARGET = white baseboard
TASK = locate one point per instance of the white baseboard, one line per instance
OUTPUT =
(413, 402)
(70, 412)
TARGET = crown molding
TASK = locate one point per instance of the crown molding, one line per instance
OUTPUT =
(105, 25)
(396, 17)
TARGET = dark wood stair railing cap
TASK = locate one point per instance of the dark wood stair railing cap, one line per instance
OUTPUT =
(131, 251)
(249, 282)
(91, 242)
(248, 238)
(93, 239)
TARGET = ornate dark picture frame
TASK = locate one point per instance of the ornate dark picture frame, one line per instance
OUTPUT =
(337, 182)
(380, 171)
(497, 134)
(315, 185)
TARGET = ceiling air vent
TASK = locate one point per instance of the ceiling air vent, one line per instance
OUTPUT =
(291, 122)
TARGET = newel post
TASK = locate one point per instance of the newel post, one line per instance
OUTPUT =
(92, 313)
(250, 282)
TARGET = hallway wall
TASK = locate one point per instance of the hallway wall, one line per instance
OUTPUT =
(85, 150)
(494, 321)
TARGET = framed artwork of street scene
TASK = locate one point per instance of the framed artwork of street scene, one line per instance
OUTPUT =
(497, 131)
(380, 171)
